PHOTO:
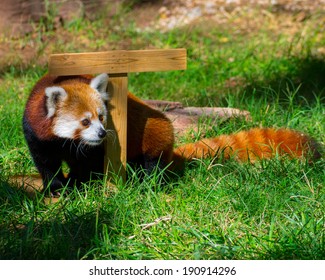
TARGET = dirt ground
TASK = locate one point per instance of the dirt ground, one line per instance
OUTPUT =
(173, 14)
(288, 16)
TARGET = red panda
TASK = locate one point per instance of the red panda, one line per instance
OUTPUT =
(65, 120)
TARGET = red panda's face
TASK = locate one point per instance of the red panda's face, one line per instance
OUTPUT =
(78, 110)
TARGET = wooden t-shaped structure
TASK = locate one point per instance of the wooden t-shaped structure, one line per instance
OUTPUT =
(117, 64)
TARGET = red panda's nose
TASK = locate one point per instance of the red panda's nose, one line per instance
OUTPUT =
(102, 133)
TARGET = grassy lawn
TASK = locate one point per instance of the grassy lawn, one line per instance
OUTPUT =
(217, 210)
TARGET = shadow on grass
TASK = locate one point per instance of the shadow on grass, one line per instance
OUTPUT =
(305, 78)
(29, 229)
(296, 247)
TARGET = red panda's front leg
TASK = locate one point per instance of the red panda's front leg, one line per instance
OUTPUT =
(86, 165)
(50, 169)
(46, 158)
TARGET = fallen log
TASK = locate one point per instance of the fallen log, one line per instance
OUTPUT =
(186, 119)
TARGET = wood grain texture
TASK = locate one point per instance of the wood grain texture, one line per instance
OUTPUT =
(120, 61)
(115, 148)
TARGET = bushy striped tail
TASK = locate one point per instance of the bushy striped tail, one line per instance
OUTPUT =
(251, 145)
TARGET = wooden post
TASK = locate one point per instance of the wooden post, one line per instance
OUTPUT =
(115, 148)
(117, 64)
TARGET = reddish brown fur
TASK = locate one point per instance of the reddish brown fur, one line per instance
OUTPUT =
(149, 132)
(80, 100)
(252, 145)
(36, 112)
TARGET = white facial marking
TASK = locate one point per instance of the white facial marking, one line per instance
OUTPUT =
(66, 126)
(99, 83)
(90, 135)
(88, 115)
(103, 113)
(54, 95)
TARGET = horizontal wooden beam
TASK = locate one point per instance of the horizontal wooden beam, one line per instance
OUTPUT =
(120, 61)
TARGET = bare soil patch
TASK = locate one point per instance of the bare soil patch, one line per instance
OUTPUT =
(241, 16)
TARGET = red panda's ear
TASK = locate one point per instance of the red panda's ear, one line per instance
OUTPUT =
(54, 96)
(99, 83)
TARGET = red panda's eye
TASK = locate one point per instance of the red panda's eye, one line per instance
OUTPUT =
(85, 122)
(101, 117)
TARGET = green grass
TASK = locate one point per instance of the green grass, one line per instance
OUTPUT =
(217, 210)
